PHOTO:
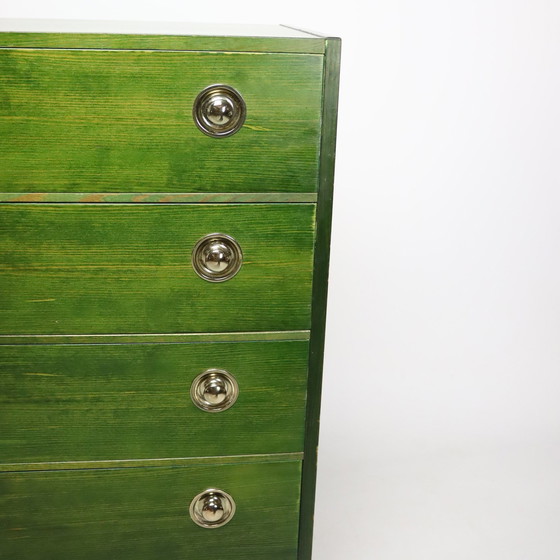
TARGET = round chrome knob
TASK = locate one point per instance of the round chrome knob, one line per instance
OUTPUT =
(219, 111)
(214, 390)
(212, 509)
(217, 257)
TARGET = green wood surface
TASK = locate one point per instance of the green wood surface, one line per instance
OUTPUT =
(78, 402)
(107, 184)
(103, 269)
(306, 45)
(118, 121)
(153, 338)
(142, 514)
(320, 292)
(159, 462)
(166, 198)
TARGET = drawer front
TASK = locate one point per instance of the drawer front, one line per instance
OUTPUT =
(121, 121)
(74, 402)
(143, 513)
(93, 269)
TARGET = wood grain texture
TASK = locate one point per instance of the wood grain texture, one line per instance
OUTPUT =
(117, 121)
(103, 269)
(165, 198)
(159, 462)
(102, 124)
(320, 292)
(178, 42)
(78, 402)
(259, 336)
(142, 514)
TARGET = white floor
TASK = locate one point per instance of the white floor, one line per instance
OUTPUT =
(456, 502)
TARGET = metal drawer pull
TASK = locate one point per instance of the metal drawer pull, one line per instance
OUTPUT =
(217, 257)
(219, 111)
(212, 509)
(214, 390)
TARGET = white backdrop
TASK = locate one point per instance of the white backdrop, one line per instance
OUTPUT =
(441, 419)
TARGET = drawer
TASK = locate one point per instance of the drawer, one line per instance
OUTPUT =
(85, 402)
(89, 121)
(95, 269)
(143, 513)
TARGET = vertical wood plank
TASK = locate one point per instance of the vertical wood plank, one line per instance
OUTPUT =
(320, 290)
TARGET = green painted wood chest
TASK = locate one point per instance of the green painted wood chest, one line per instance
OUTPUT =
(165, 203)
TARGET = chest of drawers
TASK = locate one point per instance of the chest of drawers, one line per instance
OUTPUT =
(165, 223)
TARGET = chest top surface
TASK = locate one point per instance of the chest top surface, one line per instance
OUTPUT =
(55, 33)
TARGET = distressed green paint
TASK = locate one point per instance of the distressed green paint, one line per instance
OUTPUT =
(79, 402)
(166, 198)
(109, 269)
(113, 121)
(163, 462)
(142, 514)
(153, 339)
